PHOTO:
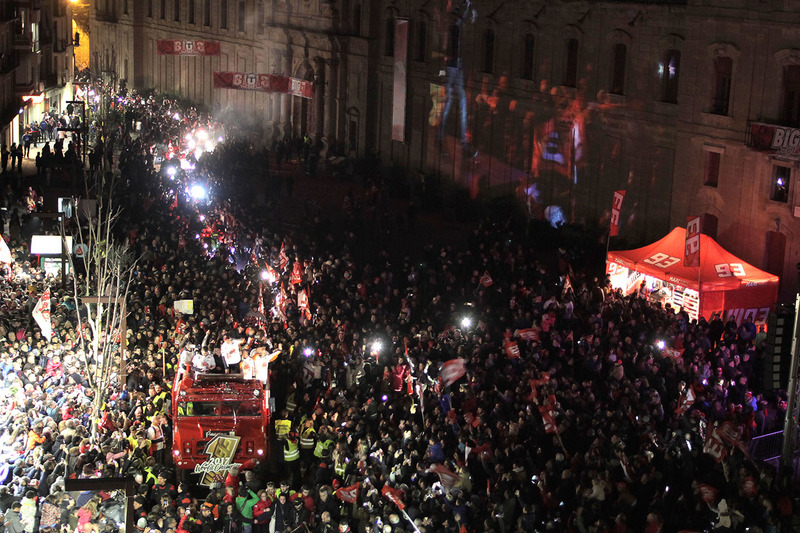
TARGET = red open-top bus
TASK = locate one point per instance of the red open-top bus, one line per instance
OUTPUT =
(219, 420)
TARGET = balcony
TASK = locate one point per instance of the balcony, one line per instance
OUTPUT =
(61, 45)
(50, 81)
(8, 63)
(23, 41)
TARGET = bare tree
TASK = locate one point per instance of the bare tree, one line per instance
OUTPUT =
(100, 294)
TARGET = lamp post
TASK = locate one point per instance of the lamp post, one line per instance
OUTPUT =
(790, 423)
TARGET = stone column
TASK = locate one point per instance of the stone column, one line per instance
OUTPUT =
(331, 118)
(319, 98)
(286, 112)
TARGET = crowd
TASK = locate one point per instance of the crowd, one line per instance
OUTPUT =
(481, 389)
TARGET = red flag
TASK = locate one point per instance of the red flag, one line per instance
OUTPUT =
(750, 487)
(297, 274)
(616, 206)
(570, 336)
(452, 371)
(548, 419)
(348, 494)
(486, 279)
(512, 349)
(691, 256)
(534, 383)
(528, 334)
(714, 446)
(446, 476)
(731, 435)
(686, 401)
(707, 493)
(394, 496)
(283, 260)
(302, 302)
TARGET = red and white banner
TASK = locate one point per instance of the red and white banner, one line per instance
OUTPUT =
(691, 256)
(394, 496)
(528, 334)
(731, 434)
(707, 493)
(686, 401)
(302, 303)
(283, 259)
(182, 47)
(486, 279)
(446, 476)
(348, 494)
(452, 371)
(400, 80)
(297, 274)
(512, 349)
(774, 139)
(41, 314)
(714, 446)
(268, 83)
(616, 206)
(548, 419)
(5, 253)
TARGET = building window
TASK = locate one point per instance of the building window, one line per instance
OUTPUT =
(150, 8)
(242, 15)
(618, 72)
(191, 11)
(723, 71)
(421, 41)
(223, 15)
(177, 13)
(790, 115)
(261, 17)
(571, 64)
(669, 70)
(779, 189)
(527, 57)
(124, 7)
(163, 9)
(488, 51)
(388, 49)
(206, 12)
(711, 170)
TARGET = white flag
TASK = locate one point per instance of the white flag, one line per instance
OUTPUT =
(5, 253)
(41, 314)
(452, 371)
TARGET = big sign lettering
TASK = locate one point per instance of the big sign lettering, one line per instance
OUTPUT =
(726, 270)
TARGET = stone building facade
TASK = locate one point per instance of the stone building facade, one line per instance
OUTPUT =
(566, 101)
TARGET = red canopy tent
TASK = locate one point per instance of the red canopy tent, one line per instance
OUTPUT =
(723, 285)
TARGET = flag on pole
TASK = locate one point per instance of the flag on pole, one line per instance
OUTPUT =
(394, 496)
(41, 314)
(297, 274)
(452, 371)
(691, 256)
(527, 334)
(707, 493)
(283, 259)
(686, 401)
(446, 476)
(348, 494)
(486, 279)
(616, 206)
(302, 303)
(5, 253)
(548, 419)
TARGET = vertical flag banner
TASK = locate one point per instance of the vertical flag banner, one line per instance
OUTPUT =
(41, 314)
(400, 80)
(452, 371)
(616, 206)
(5, 253)
(486, 279)
(691, 256)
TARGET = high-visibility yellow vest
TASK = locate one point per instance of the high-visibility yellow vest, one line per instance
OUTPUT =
(307, 438)
(290, 451)
(339, 468)
(291, 404)
(188, 411)
(321, 450)
(282, 427)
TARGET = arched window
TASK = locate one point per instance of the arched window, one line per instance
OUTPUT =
(526, 72)
(723, 72)
(790, 109)
(388, 42)
(177, 12)
(421, 39)
(669, 71)
(488, 50)
(620, 56)
(223, 15)
(571, 64)
(242, 16)
(191, 11)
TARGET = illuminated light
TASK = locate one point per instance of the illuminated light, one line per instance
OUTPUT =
(176, 453)
(202, 218)
(176, 116)
(219, 139)
(191, 143)
(307, 352)
(34, 98)
(660, 345)
(202, 135)
(198, 192)
(260, 451)
(188, 137)
(205, 245)
(186, 165)
(197, 236)
(233, 249)
(660, 69)
(780, 182)
(466, 322)
(264, 275)
(384, 398)
(171, 171)
(376, 346)
(21, 110)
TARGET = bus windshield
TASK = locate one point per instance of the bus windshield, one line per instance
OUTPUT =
(227, 408)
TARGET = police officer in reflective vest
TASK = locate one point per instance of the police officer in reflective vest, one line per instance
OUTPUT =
(322, 451)
(291, 456)
(283, 425)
